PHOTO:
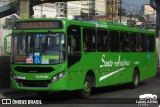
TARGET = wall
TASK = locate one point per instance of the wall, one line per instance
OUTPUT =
(4, 72)
(4, 59)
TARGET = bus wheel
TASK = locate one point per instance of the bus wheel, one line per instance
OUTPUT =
(135, 79)
(86, 91)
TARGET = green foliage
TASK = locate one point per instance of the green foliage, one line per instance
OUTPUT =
(124, 12)
(132, 23)
(141, 19)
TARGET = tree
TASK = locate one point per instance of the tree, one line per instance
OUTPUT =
(122, 12)
(141, 19)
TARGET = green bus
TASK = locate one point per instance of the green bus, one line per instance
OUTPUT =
(61, 54)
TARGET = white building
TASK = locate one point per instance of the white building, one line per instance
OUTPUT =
(89, 7)
(73, 9)
(100, 7)
(47, 10)
(148, 10)
(58, 9)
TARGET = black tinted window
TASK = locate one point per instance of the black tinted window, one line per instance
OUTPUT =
(102, 43)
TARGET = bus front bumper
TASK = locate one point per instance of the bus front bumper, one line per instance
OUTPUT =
(58, 85)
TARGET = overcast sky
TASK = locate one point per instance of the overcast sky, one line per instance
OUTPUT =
(131, 5)
(138, 2)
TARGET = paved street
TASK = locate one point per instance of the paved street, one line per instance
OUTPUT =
(106, 95)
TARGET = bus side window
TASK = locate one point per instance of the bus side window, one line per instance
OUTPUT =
(114, 41)
(89, 40)
(134, 42)
(138, 39)
(102, 40)
(125, 43)
(151, 43)
(144, 43)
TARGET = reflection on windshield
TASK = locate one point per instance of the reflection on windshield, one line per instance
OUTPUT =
(39, 48)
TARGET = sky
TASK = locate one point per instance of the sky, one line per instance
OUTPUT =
(135, 5)
(138, 2)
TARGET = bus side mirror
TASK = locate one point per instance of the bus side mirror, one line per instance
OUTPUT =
(5, 44)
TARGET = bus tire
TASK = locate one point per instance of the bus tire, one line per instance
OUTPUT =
(135, 79)
(87, 87)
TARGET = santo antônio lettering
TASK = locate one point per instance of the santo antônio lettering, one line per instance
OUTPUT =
(26, 25)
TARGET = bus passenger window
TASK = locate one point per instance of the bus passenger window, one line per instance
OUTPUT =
(134, 42)
(151, 43)
(89, 40)
(144, 43)
(114, 41)
(102, 40)
(138, 39)
(125, 43)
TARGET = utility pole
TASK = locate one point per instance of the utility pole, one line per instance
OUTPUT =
(130, 22)
(24, 9)
(156, 5)
(93, 10)
(120, 11)
(66, 9)
(112, 10)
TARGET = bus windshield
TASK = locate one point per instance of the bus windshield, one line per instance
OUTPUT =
(38, 48)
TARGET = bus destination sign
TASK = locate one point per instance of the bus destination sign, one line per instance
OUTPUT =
(38, 25)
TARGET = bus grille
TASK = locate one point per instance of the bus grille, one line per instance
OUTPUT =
(30, 83)
(34, 69)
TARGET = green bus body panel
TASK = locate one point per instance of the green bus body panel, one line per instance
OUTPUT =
(110, 68)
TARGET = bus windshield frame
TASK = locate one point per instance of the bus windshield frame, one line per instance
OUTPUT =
(38, 48)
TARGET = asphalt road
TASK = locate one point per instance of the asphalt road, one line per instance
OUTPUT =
(117, 95)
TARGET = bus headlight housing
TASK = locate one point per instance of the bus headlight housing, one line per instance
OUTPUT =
(58, 76)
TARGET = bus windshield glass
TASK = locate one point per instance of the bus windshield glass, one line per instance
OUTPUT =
(38, 48)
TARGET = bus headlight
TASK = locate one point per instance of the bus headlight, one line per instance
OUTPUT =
(13, 76)
(58, 76)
